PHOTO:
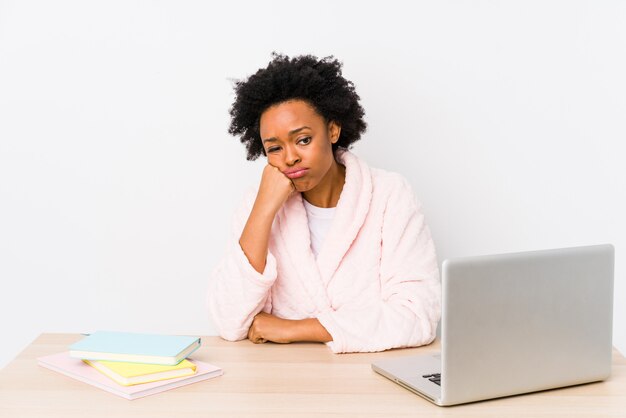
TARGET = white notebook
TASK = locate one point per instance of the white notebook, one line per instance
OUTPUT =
(79, 370)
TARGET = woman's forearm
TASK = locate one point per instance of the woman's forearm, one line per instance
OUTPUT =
(255, 237)
(267, 327)
(274, 190)
(310, 330)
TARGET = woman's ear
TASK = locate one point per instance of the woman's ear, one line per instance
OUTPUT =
(334, 130)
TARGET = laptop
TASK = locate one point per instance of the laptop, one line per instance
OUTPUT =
(516, 323)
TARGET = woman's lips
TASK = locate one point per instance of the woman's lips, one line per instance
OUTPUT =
(297, 174)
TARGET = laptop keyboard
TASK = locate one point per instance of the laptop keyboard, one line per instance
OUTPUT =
(435, 378)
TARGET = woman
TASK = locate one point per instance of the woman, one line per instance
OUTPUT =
(326, 249)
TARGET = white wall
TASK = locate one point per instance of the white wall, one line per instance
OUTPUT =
(117, 175)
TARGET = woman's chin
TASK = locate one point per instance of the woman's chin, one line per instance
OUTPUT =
(303, 186)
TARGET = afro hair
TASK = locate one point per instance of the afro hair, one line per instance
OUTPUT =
(317, 81)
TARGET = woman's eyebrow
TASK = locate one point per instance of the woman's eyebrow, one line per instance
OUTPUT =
(293, 131)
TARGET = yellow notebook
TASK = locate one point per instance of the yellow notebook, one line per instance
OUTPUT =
(128, 374)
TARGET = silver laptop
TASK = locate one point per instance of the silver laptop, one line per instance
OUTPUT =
(516, 323)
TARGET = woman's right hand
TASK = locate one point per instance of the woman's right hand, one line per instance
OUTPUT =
(274, 190)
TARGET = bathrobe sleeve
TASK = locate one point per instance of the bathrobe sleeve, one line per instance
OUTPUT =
(408, 308)
(237, 292)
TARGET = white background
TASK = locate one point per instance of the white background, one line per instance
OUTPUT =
(118, 176)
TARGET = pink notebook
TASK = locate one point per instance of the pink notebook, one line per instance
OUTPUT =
(78, 370)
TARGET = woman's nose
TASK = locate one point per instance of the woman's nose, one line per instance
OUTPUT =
(291, 156)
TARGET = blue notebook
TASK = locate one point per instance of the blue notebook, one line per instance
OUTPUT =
(135, 348)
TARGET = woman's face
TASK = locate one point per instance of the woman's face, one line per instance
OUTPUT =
(298, 141)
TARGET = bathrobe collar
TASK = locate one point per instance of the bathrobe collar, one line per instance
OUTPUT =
(350, 214)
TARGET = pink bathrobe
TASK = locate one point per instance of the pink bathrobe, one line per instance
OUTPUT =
(374, 286)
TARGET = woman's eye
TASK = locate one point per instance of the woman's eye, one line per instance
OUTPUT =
(273, 149)
(306, 140)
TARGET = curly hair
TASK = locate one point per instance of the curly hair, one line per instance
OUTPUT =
(317, 81)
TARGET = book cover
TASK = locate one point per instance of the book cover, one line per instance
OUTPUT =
(131, 347)
(128, 374)
(79, 370)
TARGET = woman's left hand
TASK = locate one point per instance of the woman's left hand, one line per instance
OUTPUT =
(266, 327)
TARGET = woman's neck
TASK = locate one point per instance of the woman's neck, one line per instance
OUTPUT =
(326, 194)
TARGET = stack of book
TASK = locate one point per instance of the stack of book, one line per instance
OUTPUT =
(132, 365)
